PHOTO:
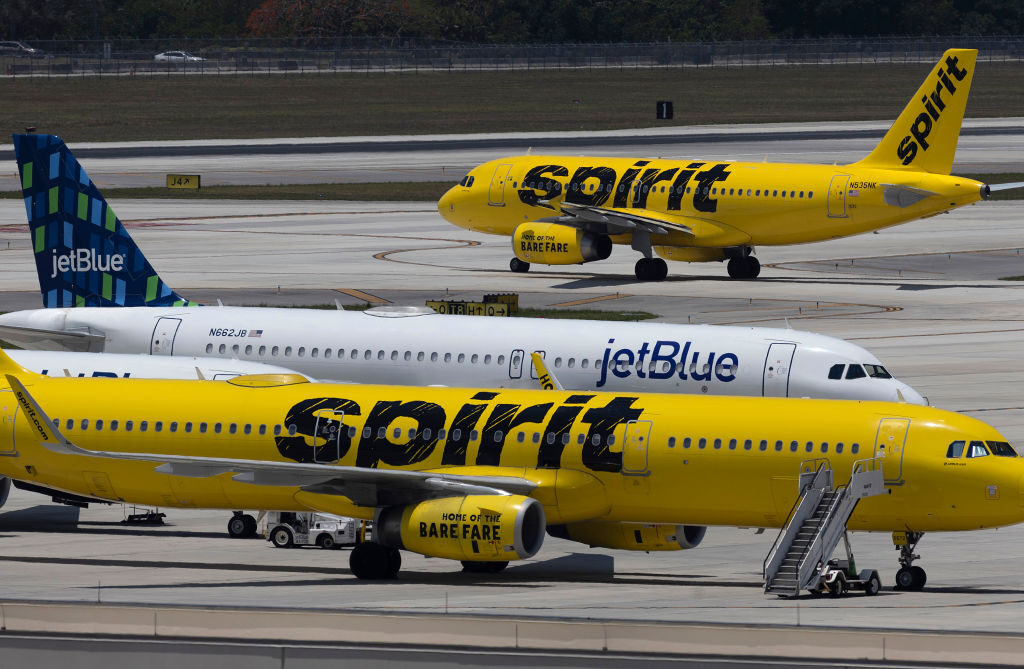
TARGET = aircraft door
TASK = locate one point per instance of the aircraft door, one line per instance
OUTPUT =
(163, 336)
(634, 447)
(496, 194)
(777, 366)
(837, 196)
(328, 428)
(890, 443)
(515, 364)
(9, 407)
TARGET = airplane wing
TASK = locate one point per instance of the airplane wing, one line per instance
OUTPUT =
(617, 221)
(364, 486)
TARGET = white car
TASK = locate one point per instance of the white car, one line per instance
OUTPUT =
(177, 57)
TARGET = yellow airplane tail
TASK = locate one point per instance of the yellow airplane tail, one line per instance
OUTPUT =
(9, 366)
(924, 136)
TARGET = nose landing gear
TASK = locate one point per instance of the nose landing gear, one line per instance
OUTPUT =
(909, 577)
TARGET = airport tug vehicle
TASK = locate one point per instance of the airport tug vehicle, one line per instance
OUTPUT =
(285, 529)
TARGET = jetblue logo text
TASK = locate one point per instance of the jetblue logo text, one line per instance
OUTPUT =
(665, 359)
(86, 260)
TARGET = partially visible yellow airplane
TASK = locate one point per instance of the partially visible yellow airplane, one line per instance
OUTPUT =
(479, 475)
(564, 210)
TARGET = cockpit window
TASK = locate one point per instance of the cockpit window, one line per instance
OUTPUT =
(977, 450)
(855, 372)
(1002, 449)
(877, 372)
(956, 449)
(467, 181)
(836, 371)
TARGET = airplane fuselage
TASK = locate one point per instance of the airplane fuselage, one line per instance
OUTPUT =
(595, 456)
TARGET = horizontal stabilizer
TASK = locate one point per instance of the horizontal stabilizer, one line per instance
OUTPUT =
(904, 196)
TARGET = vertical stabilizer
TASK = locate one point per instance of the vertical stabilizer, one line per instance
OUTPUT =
(84, 256)
(924, 137)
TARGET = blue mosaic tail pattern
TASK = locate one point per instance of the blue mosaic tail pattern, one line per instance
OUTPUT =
(84, 256)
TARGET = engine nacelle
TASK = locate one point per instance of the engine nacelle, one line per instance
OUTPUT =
(554, 244)
(481, 528)
(632, 536)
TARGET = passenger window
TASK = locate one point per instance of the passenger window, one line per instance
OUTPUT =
(188, 427)
(580, 438)
(248, 349)
(247, 429)
(382, 432)
(217, 426)
(397, 432)
(441, 433)
(313, 353)
(420, 356)
(327, 354)
(262, 351)
(836, 372)
(277, 430)
(810, 447)
(671, 442)
(702, 443)
(473, 435)
(733, 442)
(520, 437)
(565, 438)
(287, 351)
(232, 428)
(426, 433)
(764, 444)
(71, 423)
(351, 431)
(173, 427)
(536, 437)
(99, 424)
(778, 446)
(274, 351)
(128, 425)
(855, 372)
(596, 440)
(1000, 448)
(501, 360)
(380, 355)
(302, 351)
(462, 358)
(222, 348)
(209, 348)
(824, 447)
(447, 357)
(474, 358)
(367, 432)
(718, 443)
(113, 426)
(394, 355)
(85, 423)
(433, 357)
(143, 425)
(977, 450)
(158, 426)
(234, 349)
(793, 446)
(487, 359)
(456, 434)
(263, 430)
(854, 448)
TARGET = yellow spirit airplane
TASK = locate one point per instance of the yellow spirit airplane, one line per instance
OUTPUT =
(480, 475)
(564, 210)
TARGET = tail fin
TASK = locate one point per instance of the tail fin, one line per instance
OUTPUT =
(924, 137)
(84, 256)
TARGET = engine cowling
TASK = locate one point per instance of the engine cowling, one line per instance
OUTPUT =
(632, 536)
(554, 244)
(481, 528)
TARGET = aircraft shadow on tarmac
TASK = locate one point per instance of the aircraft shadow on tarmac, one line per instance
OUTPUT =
(54, 518)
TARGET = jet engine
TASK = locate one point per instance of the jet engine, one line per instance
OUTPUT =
(555, 244)
(478, 528)
(632, 536)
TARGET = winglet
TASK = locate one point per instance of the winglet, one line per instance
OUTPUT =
(546, 379)
(84, 255)
(41, 424)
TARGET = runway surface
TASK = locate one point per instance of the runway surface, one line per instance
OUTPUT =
(986, 145)
(928, 298)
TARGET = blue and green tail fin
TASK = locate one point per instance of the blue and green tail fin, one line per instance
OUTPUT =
(84, 255)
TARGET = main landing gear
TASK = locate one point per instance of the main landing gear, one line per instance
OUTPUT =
(241, 526)
(747, 267)
(651, 269)
(909, 577)
(373, 561)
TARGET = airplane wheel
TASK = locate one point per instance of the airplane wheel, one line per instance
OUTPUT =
(281, 537)
(651, 269)
(237, 527)
(517, 265)
(904, 579)
(481, 567)
(920, 578)
(753, 267)
(250, 526)
(372, 561)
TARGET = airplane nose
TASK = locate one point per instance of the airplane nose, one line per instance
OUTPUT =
(910, 395)
(446, 205)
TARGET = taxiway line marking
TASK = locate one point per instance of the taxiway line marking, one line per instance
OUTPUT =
(360, 295)
(589, 300)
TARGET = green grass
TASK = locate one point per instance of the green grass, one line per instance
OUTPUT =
(108, 108)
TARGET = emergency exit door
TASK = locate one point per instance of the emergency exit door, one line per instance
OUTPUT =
(837, 196)
(496, 193)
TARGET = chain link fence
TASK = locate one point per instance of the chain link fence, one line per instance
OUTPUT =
(131, 58)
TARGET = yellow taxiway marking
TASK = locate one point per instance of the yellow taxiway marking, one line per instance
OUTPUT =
(600, 298)
(360, 295)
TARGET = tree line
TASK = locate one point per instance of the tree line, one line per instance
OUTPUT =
(506, 21)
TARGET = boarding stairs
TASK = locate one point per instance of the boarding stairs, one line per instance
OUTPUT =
(816, 524)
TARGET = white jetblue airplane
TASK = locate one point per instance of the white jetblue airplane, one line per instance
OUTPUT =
(87, 262)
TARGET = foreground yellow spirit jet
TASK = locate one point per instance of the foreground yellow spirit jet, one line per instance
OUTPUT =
(564, 210)
(480, 475)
